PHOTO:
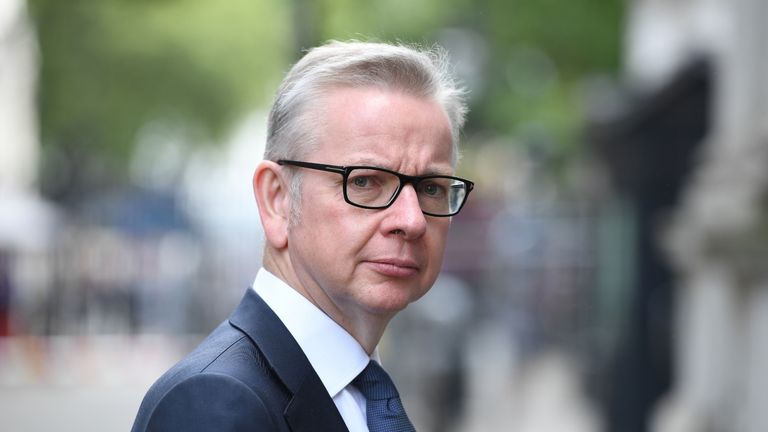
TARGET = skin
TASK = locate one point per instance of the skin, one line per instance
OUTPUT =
(359, 266)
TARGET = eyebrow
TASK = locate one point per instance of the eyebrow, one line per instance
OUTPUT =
(375, 164)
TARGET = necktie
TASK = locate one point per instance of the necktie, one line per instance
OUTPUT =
(384, 409)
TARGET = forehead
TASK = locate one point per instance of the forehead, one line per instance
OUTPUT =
(370, 124)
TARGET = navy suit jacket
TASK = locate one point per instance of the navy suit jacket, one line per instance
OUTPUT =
(248, 375)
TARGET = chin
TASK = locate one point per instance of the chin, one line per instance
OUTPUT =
(394, 299)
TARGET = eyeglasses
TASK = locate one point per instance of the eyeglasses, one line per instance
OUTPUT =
(377, 188)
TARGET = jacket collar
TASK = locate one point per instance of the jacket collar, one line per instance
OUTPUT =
(310, 408)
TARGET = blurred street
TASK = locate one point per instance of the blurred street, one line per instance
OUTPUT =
(82, 407)
(93, 384)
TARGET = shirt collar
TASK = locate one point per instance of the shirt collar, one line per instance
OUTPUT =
(334, 354)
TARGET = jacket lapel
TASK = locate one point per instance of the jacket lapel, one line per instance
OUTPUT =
(310, 408)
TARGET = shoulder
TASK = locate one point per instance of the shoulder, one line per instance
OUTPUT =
(210, 402)
(222, 384)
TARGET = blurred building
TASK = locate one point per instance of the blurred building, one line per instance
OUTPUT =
(26, 219)
(687, 148)
(18, 79)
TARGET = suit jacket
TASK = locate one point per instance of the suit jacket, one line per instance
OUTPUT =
(248, 375)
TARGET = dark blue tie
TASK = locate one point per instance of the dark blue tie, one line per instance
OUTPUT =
(384, 409)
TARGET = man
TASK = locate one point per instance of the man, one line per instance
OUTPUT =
(355, 196)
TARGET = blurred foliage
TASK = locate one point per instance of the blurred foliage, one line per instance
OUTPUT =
(109, 67)
(565, 42)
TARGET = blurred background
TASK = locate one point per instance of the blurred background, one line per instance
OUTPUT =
(608, 273)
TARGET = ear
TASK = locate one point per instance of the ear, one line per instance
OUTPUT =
(270, 188)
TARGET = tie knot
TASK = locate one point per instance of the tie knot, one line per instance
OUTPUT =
(374, 383)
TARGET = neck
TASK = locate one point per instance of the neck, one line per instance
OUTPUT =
(367, 329)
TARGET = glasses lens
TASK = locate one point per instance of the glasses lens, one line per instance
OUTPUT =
(441, 195)
(374, 188)
(370, 187)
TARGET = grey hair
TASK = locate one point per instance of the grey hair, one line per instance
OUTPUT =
(422, 72)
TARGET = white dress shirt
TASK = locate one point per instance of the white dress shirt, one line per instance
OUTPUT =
(334, 354)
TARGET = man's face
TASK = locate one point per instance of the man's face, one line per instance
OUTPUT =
(358, 264)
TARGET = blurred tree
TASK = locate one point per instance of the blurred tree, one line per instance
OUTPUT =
(541, 53)
(111, 66)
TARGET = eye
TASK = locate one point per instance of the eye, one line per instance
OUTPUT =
(361, 181)
(432, 189)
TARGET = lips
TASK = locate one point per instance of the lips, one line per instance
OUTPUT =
(394, 267)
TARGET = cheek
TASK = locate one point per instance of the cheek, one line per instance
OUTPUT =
(342, 234)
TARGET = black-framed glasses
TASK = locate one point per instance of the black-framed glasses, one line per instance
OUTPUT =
(377, 188)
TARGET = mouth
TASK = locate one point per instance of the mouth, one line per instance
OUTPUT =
(394, 267)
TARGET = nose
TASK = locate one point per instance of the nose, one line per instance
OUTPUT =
(404, 216)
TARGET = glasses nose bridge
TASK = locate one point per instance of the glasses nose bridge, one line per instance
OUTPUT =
(406, 179)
